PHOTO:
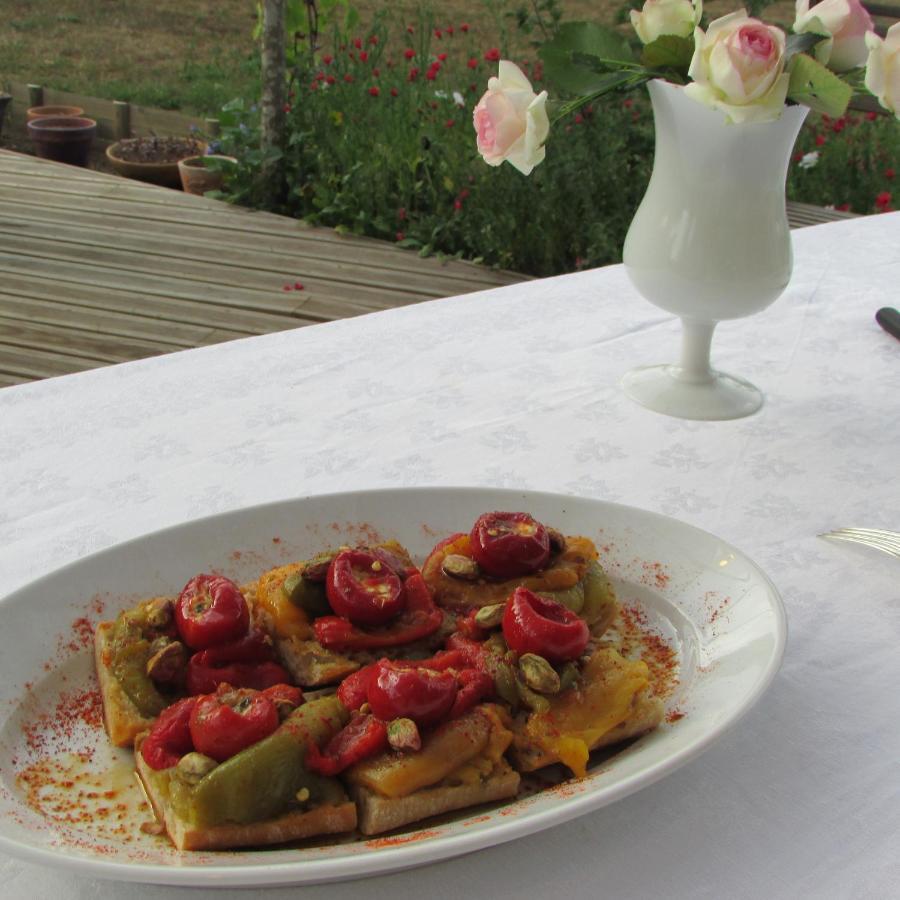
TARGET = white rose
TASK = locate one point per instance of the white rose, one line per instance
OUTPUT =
(846, 21)
(883, 68)
(659, 17)
(738, 67)
(511, 120)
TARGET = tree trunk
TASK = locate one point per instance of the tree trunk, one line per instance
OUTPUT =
(273, 97)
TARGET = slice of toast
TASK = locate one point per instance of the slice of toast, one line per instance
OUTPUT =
(645, 714)
(378, 814)
(290, 826)
(123, 720)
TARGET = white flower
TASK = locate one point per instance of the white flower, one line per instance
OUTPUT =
(847, 23)
(511, 120)
(738, 67)
(883, 68)
(809, 160)
(660, 17)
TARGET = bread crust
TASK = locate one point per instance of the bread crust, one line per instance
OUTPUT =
(378, 814)
(123, 720)
(291, 826)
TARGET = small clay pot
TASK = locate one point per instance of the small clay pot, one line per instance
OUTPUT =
(196, 178)
(4, 102)
(63, 139)
(42, 112)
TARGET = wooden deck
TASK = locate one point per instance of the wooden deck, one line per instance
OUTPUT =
(96, 269)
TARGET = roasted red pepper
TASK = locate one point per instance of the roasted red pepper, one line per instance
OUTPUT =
(398, 691)
(509, 544)
(248, 662)
(170, 736)
(534, 624)
(211, 610)
(419, 619)
(363, 736)
(224, 723)
(474, 686)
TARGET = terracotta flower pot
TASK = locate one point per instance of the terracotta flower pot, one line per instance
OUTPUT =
(42, 112)
(164, 173)
(62, 138)
(4, 102)
(196, 178)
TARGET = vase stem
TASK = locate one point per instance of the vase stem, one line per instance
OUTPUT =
(696, 340)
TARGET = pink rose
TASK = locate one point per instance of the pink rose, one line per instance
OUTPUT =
(511, 120)
(738, 67)
(846, 21)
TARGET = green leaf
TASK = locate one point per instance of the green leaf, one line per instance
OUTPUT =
(816, 87)
(669, 52)
(590, 39)
(800, 43)
(582, 54)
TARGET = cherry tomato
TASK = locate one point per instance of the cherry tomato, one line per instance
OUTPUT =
(211, 610)
(397, 691)
(170, 736)
(363, 589)
(363, 736)
(224, 723)
(419, 619)
(533, 624)
(509, 544)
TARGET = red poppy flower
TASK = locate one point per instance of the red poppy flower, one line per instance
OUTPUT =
(374, 90)
(493, 55)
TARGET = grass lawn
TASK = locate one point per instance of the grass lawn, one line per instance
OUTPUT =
(197, 55)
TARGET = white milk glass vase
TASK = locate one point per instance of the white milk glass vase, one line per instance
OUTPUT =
(710, 241)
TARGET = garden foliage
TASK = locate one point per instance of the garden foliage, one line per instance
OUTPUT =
(380, 142)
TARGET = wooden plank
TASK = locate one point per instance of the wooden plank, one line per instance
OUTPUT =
(181, 310)
(77, 342)
(367, 253)
(258, 289)
(801, 215)
(180, 243)
(200, 210)
(11, 380)
(102, 320)
(28, 363)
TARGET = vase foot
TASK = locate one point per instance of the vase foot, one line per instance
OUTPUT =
(723, 397)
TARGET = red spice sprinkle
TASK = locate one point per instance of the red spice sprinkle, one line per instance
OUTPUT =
(401, 839)
(674, 715)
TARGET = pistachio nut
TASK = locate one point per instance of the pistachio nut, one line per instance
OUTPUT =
(462, 567)
(169, 664)
(159, 612)
(193, 767)
(403, 734)
(302, 796)
(490, 616)
(505, 684)
(538, 674)
(568, 676)
(534, 701)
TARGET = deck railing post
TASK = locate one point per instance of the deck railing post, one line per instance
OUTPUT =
(123, 119)
(213, 128)
(35, 95)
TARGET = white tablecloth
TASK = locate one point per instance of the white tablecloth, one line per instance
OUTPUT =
(518, 387)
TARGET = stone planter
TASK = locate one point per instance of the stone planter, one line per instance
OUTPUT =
(63, 139)
(196, 178)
